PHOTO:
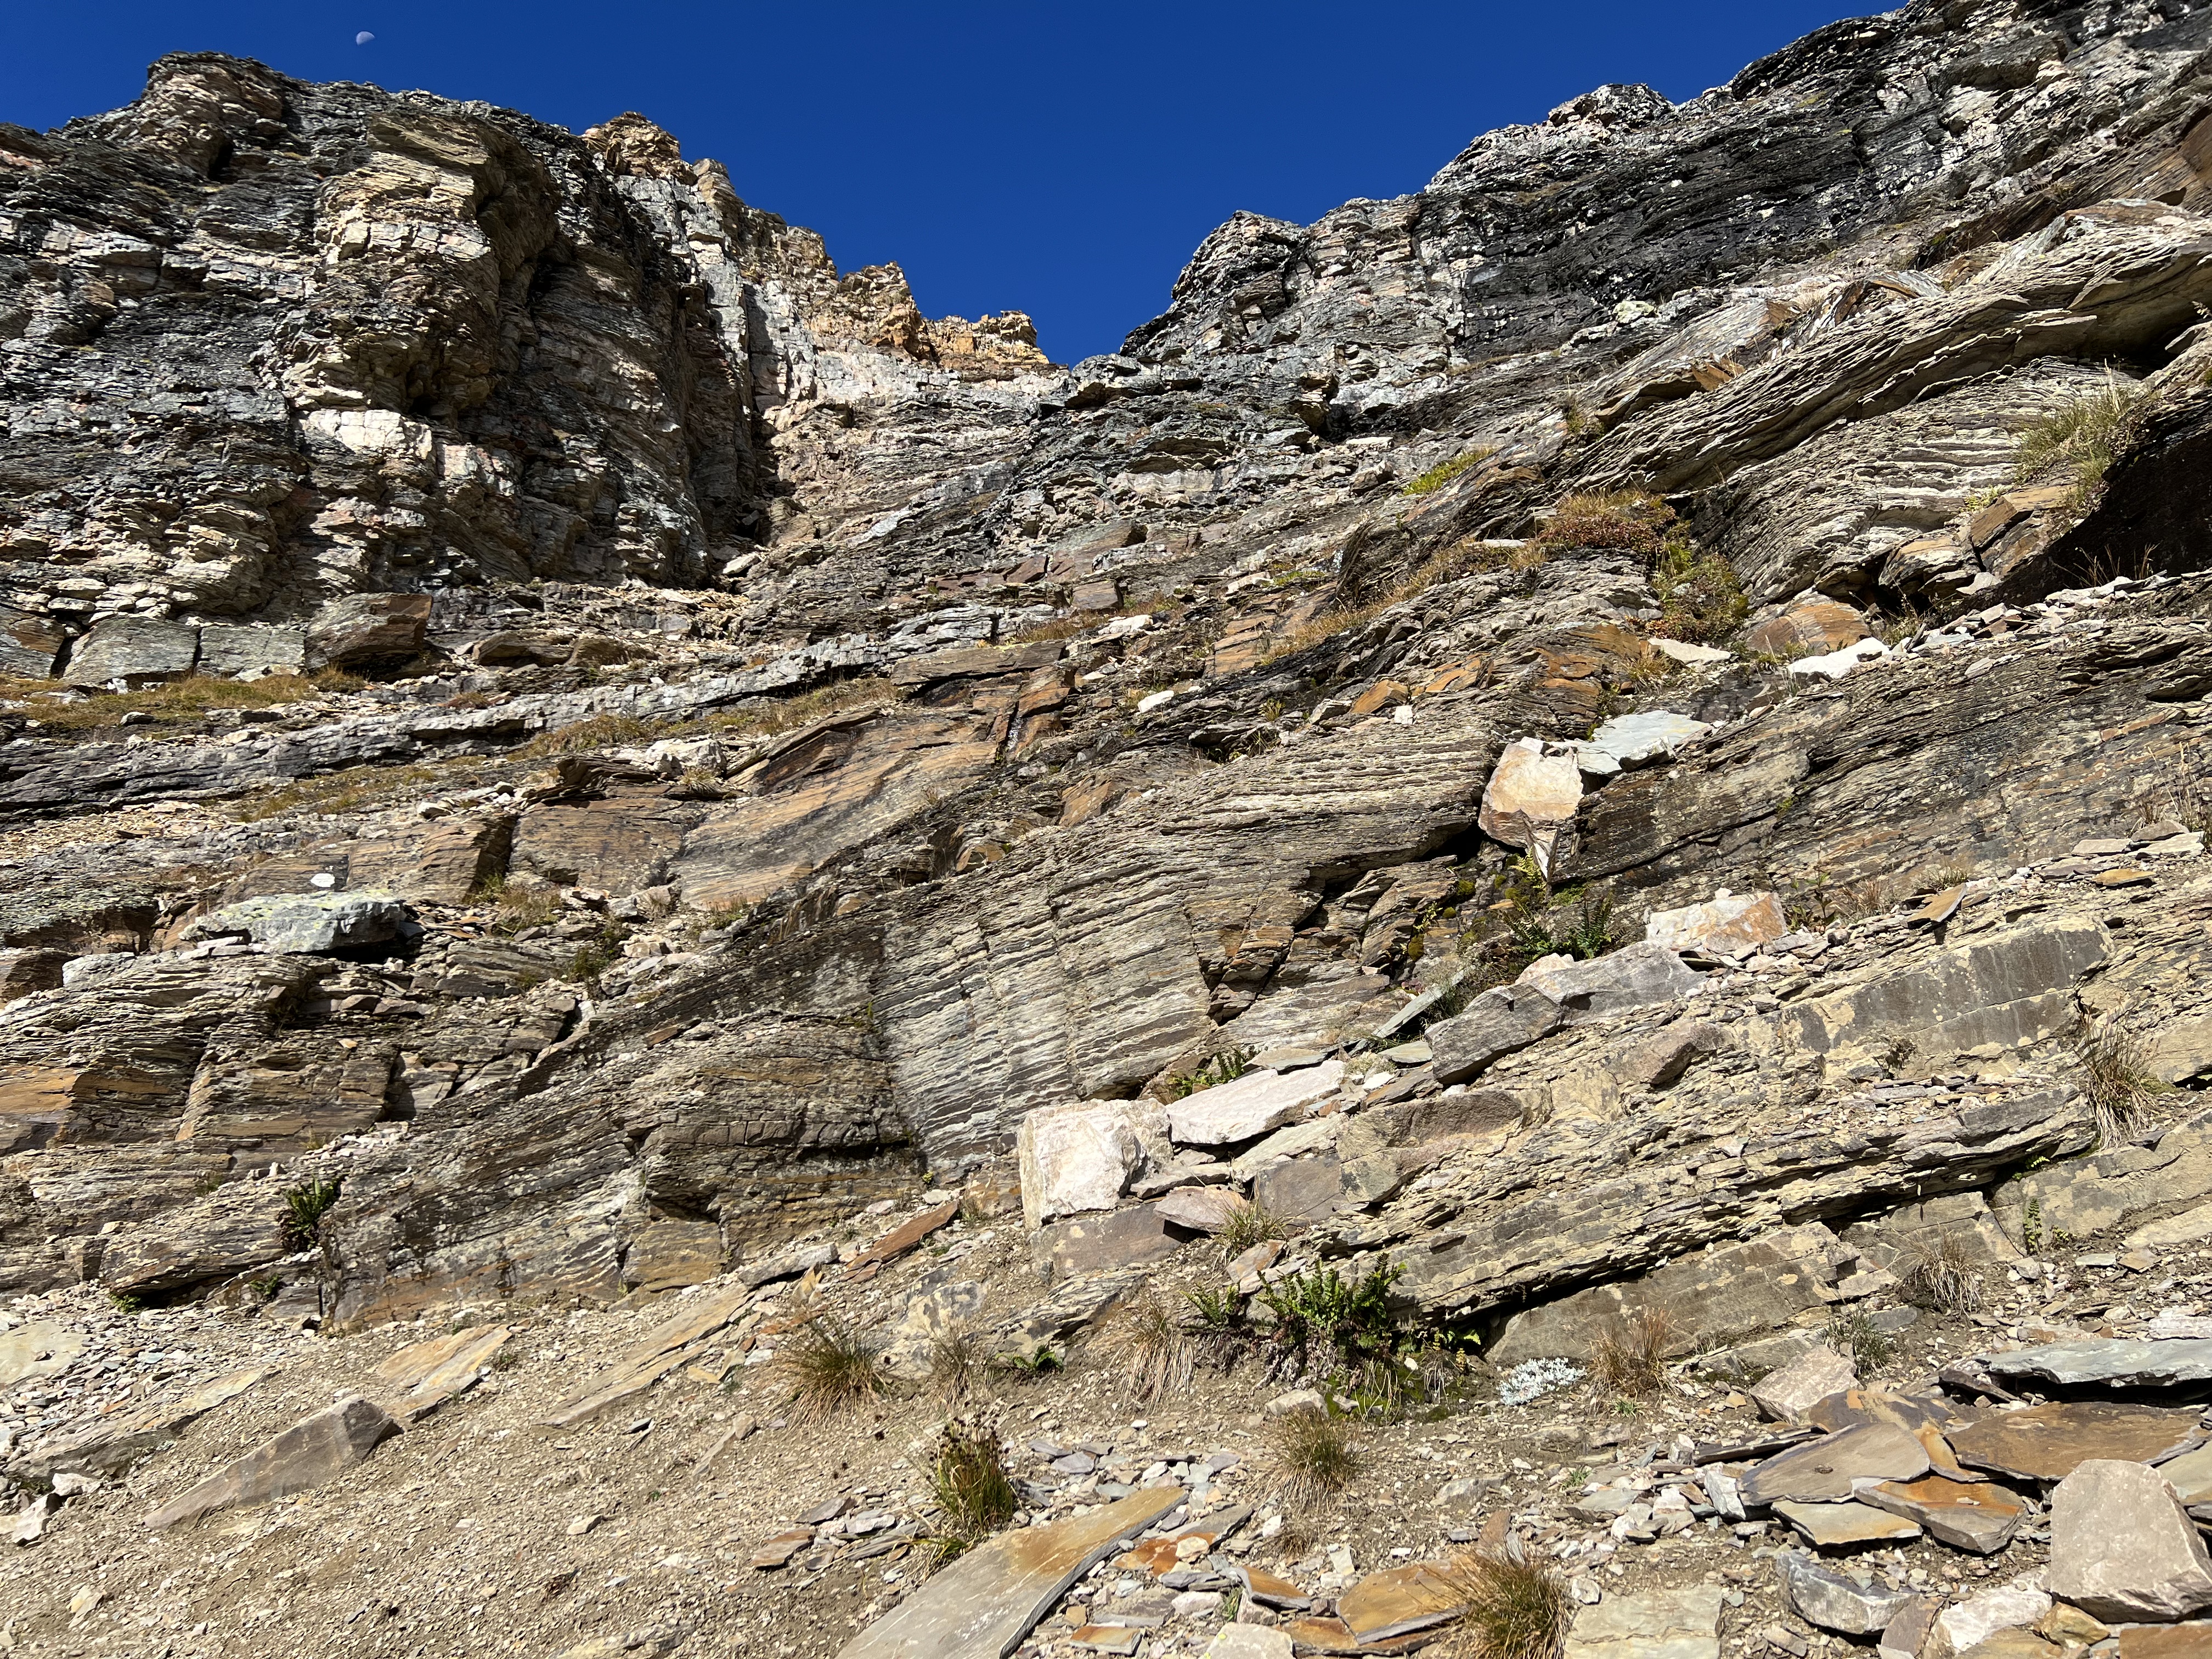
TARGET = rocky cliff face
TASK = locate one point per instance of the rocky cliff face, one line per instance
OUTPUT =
(557, 748)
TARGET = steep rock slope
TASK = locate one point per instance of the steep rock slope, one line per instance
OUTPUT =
(557, 745)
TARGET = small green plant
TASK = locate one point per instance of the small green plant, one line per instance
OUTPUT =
(829, 1368)
(969, 1480)
(1224, 1067)
(1314, 1456)
(1939, 1275)
(2031, 1227)
(1852, 1331)
(1248, 1225)
(1153, 1348)
(1513, 1609)
(2119, 1081)
(1629, 1355)
(596, 955)
(1220, 1333)
(304, 1209)
(1038, 1361)
(1327, 1323)
(1442, 474)
(127, 1302)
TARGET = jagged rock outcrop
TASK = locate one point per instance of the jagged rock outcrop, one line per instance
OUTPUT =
(789, 739)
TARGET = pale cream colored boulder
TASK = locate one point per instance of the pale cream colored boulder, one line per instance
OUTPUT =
(1726, 924)
(1251, 1105)
(1074, 1159)
(2123, 1548)
(1531, 796)
(1803, 1384)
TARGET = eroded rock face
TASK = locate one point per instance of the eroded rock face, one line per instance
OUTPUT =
(839, 736)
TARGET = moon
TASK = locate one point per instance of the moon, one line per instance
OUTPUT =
(364, 38)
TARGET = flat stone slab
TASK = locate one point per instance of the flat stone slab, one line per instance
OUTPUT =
(313, 924)
(312, 1453)
(2048, 1443)
(2116, 1362)
(41, 1348)
(2190, 1476)
(1791, 1391)
(1251, 1105)
(426, 1375)
(1398, 1602)
(651, 1359)
(1676, 1624)
(1202, 1209)
(908, 1234)
(1076, 1159)
(1529, 796)
(1646, 735)
(986, 1601)
(1821, 1471)
(118, 1444)
(1087, 1244)
(1835, 1526)
(1980, 1518)
(2190, 1641)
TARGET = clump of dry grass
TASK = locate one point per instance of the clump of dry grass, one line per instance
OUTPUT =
(1314, 1456)
(2077, 443)
(1939, 1275)
(592, 732)
(1153, 1348)
(359, 786)
(1514, 1610)
(176, 702)
(2116, 1076)
(1630, 1357)
(1248, 1225)
(788, 714)
(1627, 520)
(830, 1369)
(958, 1361)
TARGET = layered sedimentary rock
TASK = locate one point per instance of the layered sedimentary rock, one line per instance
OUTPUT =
(639, 743)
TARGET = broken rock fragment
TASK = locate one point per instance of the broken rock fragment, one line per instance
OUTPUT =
(312, 1453)
(2123, 1548)
(1833, 1599)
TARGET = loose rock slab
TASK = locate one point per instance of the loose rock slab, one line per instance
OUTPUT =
(1251, 1105)
(1399, 1601)
(2047, 1442)
(311, 1453)
(1727, 924)
(651, 1360)
(2123, 1548)
(2112, 1361)
(1821, 1471)
(1838, 1526)
(1803, 1384)
(1678, 1624)
(41, 1348)
(1827, 1598)
(117, 1445)
(426, 1375)
(1530, 796)
(986, 1601)
(1980, 1518)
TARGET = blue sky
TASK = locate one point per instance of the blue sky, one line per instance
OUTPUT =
(1063, 160)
